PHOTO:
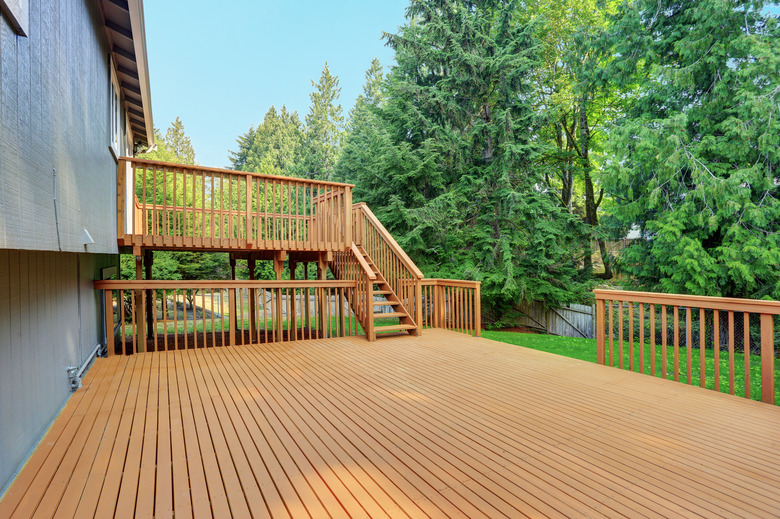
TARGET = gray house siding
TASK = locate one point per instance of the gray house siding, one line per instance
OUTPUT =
(48, 321)
(54, 119)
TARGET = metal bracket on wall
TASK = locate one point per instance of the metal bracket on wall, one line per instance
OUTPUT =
(73, 376)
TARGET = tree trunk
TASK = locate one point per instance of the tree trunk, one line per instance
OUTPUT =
(591, 205)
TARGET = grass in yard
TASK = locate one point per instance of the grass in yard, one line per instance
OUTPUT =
(585, 349)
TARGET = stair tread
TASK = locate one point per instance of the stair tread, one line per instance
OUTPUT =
(385, 292)
(387, 315)
(386, 303)
(394, 327)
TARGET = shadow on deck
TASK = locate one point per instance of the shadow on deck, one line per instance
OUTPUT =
(442, 425)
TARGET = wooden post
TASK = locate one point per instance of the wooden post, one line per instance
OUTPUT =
(252, 300)
(291, 304)
(767, 359)
(322, 270)
(120, 201)
(418, 310)
(232, 304)
(348, 216)
(370, 332)
(441, 306)
(279, 259)
(109, 302)
(478, 310)
(150, 300)
(600, 331)
(232, 298)
(249, 240)
(306, 309)
(140, 317)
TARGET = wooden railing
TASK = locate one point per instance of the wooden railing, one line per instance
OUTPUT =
(183, 206)
(674, 336)
(350, 266)
(396, 267)
(453, 305)
(196, 314)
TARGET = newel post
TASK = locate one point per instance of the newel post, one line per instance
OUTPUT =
(767, 359)
(600, 331)
(109, 302)
(478, 312)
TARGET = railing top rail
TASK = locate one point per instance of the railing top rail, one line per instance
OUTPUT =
(405, 259)
(175, 165)
(450, 282)
(362, 262)
(715, 303)
(182, 285)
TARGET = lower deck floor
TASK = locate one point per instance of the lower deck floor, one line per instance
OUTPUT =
(441, 425)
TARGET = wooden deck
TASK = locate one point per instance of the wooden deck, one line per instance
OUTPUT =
(442, 425)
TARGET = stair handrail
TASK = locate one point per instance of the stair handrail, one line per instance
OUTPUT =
(388, 238)
(362, 262)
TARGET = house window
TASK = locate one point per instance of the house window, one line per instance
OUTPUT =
(17, 12)
(115, 115)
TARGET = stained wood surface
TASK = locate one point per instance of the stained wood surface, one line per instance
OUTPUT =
(442, 425)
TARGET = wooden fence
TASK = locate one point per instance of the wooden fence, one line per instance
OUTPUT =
(196, 314)
(567, 321)
(672, 335)
(176, 205)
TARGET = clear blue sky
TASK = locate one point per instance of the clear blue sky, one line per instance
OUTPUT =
(219, 66)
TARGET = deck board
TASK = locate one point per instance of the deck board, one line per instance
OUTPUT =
(442, 425)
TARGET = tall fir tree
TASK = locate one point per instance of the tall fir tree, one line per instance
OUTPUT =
(273, 148)
(696, 160)
(457, 185)
(324, 128)
(365, 133)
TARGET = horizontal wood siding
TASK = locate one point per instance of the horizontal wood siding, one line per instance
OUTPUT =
(54, 117)
(49, 319)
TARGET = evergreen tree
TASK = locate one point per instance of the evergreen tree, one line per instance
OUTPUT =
(273, 148)
(458, 186)
(696, 159)
(365, 136)
(324, 128)
(177, 141)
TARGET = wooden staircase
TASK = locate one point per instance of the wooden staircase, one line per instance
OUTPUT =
(406, 324)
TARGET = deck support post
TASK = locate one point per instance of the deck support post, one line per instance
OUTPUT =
(252, 299)
(291, 305)
(307, 304)
(322, 271)
(279, 259)
(150, 300)
(140, 318)
(232, 302)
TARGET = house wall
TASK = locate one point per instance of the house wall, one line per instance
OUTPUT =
(54, 119)
(48, 321)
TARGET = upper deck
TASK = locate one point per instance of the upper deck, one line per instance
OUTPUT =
(163, 205)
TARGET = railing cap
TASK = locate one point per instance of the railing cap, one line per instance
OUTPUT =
(176, 165)
(714, 303)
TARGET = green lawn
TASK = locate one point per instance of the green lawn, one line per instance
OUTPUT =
(585, 349)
